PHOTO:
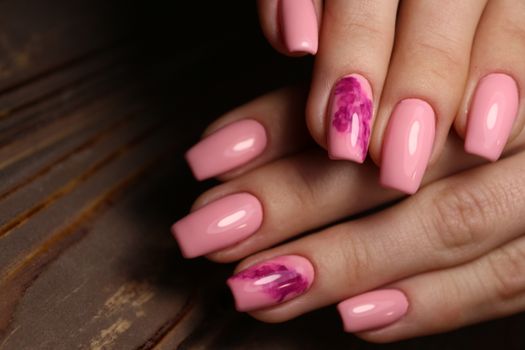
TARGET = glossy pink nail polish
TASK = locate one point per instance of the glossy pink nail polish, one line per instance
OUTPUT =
(372, 310)
(492, 113)
(271, 282)
(299, 25)
(227, 148)
(350, 119)
(219, 224)
(407, 145)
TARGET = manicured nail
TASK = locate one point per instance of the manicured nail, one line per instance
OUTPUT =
(271, 282)
(227, 148)
(372, 310)
(407, 145)
(350, 119)
(492, 113)
(218, 224)
(299, 25)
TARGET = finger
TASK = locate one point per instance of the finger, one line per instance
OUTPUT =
(291, 26)
(448, 223)
(423, 89)
(497, 72)
(262, 130)
(490, 287)
(350, 68)
(286, 198)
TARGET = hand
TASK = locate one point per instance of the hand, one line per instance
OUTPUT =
(396, 76)
(448, 256)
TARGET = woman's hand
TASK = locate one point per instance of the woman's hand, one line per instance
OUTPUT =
(396, 75)
(451, 255)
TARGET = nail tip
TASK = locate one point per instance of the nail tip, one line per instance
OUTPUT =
(302, 50)
(351, 157)
(177, 235)
(475, 151)
(188, 156)
(230, 282)
(398, 187)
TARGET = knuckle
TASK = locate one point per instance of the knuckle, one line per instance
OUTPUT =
(356, 256)
(462, 217)
(367, 30)
(302, 185)
(507, 267)
(363, 24)
(455, 290)
(443, 55)
(514, 29)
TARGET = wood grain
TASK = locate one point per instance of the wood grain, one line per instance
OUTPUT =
(98, 101)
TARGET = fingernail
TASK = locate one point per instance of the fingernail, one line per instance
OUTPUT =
(299, 25)
(227, 148)
(407, 145)
(492, 113)
(372, 310)
(218, 224)
(271, 282)
(350, 119)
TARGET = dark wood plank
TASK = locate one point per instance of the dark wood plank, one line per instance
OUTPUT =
(39, 38)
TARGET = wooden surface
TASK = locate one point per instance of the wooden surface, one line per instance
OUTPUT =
(98, 101)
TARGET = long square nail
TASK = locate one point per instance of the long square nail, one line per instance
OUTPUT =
(299, 26)
(218, 224)
(372, 310)
(493, 111)
(407, 145)
(271, 282)
(227, 148)
(350, 119)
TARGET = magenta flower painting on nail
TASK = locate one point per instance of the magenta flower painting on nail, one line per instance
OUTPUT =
(271, 282)
(350, 119)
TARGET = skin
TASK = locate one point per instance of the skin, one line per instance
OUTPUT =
(460, 236)
(456, 248)
(433, 50)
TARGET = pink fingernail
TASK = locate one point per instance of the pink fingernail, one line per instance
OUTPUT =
(493, 111)
(227, 148)
(407, 145)
(299, 25)
(372, 310)
(271, 282)
(350, 119)
(218, 224)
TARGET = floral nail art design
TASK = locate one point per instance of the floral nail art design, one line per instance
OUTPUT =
(351, 118)
(271, 282)
(276, 280)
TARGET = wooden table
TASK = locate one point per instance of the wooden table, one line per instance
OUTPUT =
(98, 101)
